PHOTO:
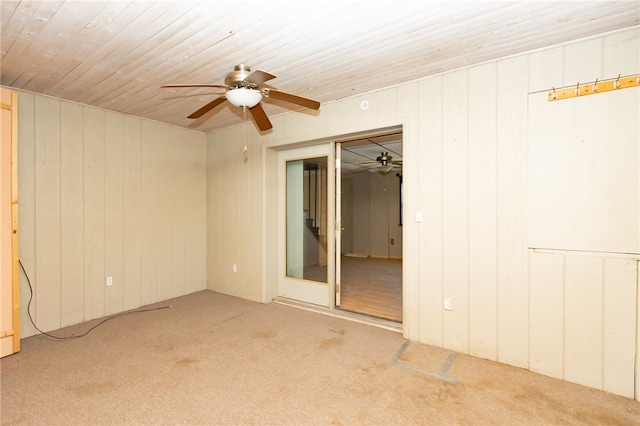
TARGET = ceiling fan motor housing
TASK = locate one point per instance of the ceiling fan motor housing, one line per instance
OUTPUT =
(236, 78)
(384, 158)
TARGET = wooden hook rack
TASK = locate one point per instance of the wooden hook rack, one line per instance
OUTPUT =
(594, 87)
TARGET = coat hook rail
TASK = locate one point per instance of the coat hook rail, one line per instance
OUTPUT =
(595, 87)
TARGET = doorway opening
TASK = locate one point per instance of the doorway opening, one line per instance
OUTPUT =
(369, 274)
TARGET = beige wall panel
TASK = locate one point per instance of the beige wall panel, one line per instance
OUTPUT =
(165, 204)
(379, 210)
(385, 105)
(27, 200)
(239, 238)
(430, 205)
(330, 114)
(583, 62)
(114, 212)
(72, 214)
(350, 114)
(243, 215)
(279, 132)
(621, 54)
(234, 238)
(89, 183)
(583, 320)
(362, 214)
(575, 202)
(346, 213)
(395, 230)
(408, 102)
(47, 287)
(637, 387)
(546, 316)
(250, 164)
(215, 221)
(94, 213)
(178, 180)
(227, 242)
(270, 254)
(513, 257)
(132, 220)
(254, 224)
(545, 69)
(483, 226)
(620, 310)
(455, 205)
(295, 123)
(149, 213)
(196, 219)
(372, 108)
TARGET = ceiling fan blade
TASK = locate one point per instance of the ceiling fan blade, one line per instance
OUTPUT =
(294, 99)
(260, 117)
(224, 86)
(208, 107)
(258, 77)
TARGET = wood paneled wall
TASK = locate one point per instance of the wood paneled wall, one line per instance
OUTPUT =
(375, 203)
(465, 168)
(104, 194)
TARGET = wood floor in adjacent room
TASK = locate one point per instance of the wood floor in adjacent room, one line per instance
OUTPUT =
(212, 359)
(372, 286)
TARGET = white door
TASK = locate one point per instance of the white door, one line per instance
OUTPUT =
(306, 223)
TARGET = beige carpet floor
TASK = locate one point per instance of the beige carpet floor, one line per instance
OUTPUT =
(216, 359)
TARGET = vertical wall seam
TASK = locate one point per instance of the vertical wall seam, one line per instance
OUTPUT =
(35, 209)
(603, 285)
(526, 210)
(496, 205)
(122, 222)
(84, 293)
(104, 212)
(156, 273)
(564, 314)
(496, 112)
(442, 279)
(468, 160)
(60, 266)
(636, 361)
(139, 200)
(564, 257)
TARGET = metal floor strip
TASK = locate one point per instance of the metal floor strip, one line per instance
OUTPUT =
(441, 375)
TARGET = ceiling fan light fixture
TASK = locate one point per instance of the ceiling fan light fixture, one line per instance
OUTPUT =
(243, 97)
(383, 170)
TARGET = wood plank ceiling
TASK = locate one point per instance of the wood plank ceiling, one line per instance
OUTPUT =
(116, 54)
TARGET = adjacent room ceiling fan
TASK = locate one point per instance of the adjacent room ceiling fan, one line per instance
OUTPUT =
(384, 164)
(243, 90)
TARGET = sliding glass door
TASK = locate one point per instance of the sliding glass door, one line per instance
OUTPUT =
(306, 224)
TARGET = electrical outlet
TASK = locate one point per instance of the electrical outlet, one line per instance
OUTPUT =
(109, 281)
(447, 304)
(234, 268)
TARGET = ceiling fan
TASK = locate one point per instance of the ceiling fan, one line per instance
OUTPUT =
(243, 90)
(384, 164)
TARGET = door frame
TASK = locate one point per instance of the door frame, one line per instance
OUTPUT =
(269, 208)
